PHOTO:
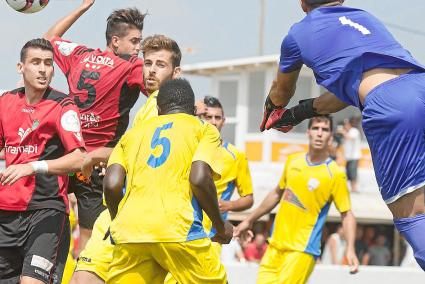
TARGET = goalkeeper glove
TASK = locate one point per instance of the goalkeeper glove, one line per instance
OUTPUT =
(284, 119)
(269, 107)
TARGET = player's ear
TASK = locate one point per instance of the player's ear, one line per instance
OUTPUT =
(177, 72)
(114, 43)
(304, 6)
(20, 67)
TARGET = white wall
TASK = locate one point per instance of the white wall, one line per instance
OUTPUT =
(329, 274)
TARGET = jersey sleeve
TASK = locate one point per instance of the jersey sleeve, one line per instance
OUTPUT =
(340, 193)
(117, 156)
(135, 78)
(290, 55)
(282, 181)
(243, 178)
(69, 126)
(66, 53)
(208, 149)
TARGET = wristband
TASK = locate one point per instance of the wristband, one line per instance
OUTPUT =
(40, 167)
(304, 110)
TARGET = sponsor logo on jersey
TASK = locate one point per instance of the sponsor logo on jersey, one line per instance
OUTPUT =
(85, 259)
(89, 120)
(313, 184)
(35, 124)
(41, 263)
(289, 196)
(23, 133)
(70, 122)
(26, 149)
(98, 60)
(66, 48)
(28, 110)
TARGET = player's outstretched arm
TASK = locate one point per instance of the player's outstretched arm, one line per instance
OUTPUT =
(69, 163)
(59, 28)
(100, 155)
(284, 119)
(281, 92)
(113, 184)
(328, 103)
(283, 88)
(203, 188)
(266, 206)
(349, 225)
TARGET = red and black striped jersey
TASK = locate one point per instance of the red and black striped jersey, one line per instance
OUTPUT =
(103, 85)
(46, 130)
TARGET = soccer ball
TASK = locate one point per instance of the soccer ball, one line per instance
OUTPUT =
(27, 6)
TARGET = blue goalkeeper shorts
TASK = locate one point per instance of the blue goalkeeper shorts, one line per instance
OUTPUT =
(394, 125)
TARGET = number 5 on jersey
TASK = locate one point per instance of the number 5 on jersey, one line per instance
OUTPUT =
(153, 161)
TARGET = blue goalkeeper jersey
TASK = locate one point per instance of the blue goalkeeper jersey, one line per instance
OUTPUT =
(340, 43)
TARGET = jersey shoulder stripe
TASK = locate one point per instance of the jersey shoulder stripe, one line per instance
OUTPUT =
(16, 91)
(82, 49)
(130, 58)
(55, 95)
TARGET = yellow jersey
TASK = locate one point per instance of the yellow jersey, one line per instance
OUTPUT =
(148, 110)
(235, 174)
(309, 190)
(158, 205)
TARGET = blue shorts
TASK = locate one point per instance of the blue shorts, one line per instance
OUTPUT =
(394, 125)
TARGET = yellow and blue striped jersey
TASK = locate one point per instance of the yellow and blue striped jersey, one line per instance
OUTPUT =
(235, 174)
(158, 205)
(309, 190)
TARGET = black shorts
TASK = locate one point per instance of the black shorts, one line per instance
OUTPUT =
(351, 168)
(34, 244)
(89, 196)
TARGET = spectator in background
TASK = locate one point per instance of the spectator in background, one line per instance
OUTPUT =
(352, 149)
(255, 250)
(232, 252)
(379, 252)
(369, 236)
(334, 248)
(336, 144)
(362, 249)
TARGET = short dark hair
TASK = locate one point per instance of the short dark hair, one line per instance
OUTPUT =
(321, 118)
(119, 21)
(39, 43)
(210, 101)
(159, 42)
(176, 94)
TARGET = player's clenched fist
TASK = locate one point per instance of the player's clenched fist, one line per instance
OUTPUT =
(225, 235)
(269, 107)
(284, 120)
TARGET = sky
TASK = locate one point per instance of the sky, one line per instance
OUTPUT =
(205, 30)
